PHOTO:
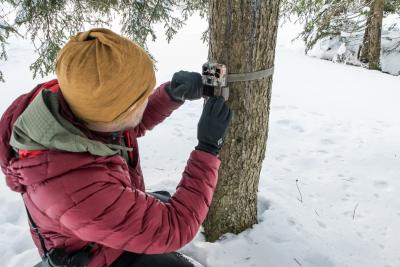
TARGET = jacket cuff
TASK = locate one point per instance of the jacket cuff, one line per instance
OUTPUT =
(165, 97)
(209, 159)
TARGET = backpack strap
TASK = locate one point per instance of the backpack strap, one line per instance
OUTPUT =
(86, 250)
(35, 228)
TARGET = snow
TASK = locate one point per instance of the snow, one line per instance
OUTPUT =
(333, 127)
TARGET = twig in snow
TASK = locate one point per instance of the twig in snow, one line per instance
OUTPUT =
(354, 212)
(316, 213)
(297, 262)
(301, 196)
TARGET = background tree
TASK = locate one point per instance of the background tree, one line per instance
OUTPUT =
(370, 50)
(323, 18)
(242, 36)
(351, 21)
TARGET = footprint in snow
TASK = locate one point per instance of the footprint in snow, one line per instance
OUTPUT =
(315, 113)
(283, 122)
(318, 260)
(278, 107)
(381, 184)
(277, 239)
(191, 114)
(280, 157)
(177, 132)
(298, 128)
(284, 107)
(321, 224)
(327, 141)
(384, 124)
(292, 125)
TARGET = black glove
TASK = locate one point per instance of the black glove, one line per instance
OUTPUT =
(185, 85)
(214, 122)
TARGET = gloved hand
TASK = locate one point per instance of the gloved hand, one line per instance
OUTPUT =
(214, 122)
(185, 85)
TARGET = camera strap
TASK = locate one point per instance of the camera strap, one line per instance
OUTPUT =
(250, 76)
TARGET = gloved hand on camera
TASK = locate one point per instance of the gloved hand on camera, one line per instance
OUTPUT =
(185, 86)
(214, 122)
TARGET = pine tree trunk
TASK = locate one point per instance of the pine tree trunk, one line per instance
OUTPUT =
(242, 36)
(371, 48)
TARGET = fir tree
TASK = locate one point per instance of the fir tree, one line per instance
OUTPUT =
(49, 23)
(351, 21)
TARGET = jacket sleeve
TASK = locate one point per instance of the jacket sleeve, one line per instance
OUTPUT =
(159, 107)
(131, 220)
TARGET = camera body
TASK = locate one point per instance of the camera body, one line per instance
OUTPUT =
(214, 76)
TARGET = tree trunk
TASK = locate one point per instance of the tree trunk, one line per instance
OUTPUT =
(371, 48)
(364, 49)
(242, 36)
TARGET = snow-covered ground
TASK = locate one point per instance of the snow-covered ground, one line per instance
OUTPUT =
(334, 128)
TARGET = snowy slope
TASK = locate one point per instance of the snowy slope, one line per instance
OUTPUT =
(333, 127)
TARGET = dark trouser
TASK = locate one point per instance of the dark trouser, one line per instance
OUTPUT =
(129, 259)
(164, 196)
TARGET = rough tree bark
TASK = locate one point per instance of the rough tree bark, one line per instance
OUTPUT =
(242, 36)
(371, 48)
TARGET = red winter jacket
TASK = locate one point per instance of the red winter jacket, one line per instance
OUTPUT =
(77, 198)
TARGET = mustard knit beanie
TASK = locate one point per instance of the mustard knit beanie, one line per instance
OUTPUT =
(104, 76)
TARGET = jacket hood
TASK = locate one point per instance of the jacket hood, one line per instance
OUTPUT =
(39, 126)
